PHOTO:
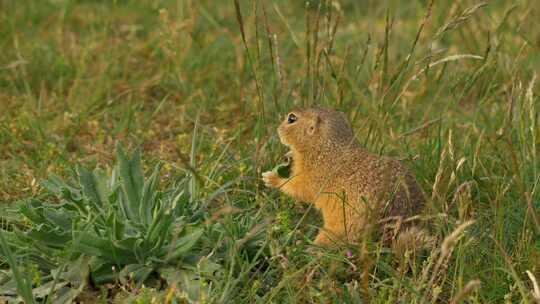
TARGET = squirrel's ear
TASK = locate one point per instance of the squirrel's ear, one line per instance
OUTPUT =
(314, 125)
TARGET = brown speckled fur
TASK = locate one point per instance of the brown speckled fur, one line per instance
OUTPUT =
(346, 183)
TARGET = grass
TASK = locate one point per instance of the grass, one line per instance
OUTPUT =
(448, 86)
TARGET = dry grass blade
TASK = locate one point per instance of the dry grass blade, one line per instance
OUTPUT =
(405, 63)
(252, 233)
(268, 34)
(532, 212)
(536, 289)
(240, 21)
(274, 60)
(429, 66)
(450, 241)
(446, 249)
(447, 59)
(278, 61)
(513, 272)
(333, 33)
(419, 128)
(467, 290)
(308, 51)
(454, 23)
(284, 20)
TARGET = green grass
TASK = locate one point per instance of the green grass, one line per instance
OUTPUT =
(451, 88)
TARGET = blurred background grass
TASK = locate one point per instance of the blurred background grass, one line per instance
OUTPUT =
(448, 86)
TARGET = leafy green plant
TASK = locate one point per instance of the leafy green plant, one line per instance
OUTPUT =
(22, 284)
(114, 228)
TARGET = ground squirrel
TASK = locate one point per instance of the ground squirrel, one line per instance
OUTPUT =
(345, 182)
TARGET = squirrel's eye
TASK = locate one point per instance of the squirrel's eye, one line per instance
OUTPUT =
(291, 118)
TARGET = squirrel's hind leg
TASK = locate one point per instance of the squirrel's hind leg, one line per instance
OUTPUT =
(340, 222)
(323, 239)
(329, 235)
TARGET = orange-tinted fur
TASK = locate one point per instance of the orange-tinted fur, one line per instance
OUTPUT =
(350, 186)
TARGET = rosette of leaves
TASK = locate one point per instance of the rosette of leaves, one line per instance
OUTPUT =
(115, 228)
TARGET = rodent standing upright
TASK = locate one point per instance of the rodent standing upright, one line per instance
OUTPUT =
(345, 182)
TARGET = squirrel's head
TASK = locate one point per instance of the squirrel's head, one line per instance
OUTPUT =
(314, 129)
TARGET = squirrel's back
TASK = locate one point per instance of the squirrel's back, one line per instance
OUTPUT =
(365, 178)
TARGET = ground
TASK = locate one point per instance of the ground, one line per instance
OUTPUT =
(450, 87)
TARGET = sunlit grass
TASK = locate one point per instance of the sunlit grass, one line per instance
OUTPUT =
(449, 87)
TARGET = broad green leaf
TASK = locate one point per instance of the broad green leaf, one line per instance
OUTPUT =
(55, 184)
(102, 271)
(160, 228)
(62, 219)
(10, 213)
(149, 196)
(136, 272)
(47, 288)
(53, 238)
(63, 190)
(188, 279)
(125, 244)
(113, 180)
(170, 274)
(140, 252)
(123, 204)
(184, 244)
(77, 271)
(72, 195)
(4, 277)
(179, 201)
(8, 288)
(73, 204)
(103, 188)
(132, 181)
(67, 295)
(89, 185)
(92, 245)
(32, 209)
(115, 226)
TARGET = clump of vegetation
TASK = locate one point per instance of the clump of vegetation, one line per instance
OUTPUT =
(105, 228)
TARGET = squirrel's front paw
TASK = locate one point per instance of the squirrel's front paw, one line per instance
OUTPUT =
(271, 179)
